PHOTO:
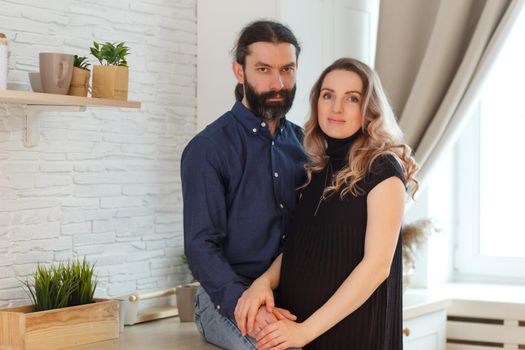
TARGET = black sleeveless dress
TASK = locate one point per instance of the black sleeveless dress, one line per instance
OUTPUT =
(324, 244)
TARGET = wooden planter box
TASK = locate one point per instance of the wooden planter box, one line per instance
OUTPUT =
(23, 329)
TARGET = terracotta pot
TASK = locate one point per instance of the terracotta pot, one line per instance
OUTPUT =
(79, 82)
(110, 82)
(186, 302)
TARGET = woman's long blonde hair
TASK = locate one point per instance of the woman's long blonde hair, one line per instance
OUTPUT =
(380, 134)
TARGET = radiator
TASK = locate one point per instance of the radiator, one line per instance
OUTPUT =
(478, 325)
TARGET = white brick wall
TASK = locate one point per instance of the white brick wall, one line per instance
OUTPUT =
(102, 183)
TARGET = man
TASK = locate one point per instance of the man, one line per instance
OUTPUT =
(239, 177)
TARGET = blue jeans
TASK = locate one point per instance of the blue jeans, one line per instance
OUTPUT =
(217, 329)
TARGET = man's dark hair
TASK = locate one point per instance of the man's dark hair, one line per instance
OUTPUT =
(261, 31)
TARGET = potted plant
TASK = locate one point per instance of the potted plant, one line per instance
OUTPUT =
(185, 295)
(80, 78)
(414, 236)
(64, 312)
(110, 78)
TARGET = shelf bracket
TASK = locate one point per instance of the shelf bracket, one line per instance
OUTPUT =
(32, 120)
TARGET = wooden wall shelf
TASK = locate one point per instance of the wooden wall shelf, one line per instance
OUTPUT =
(36, 98)
(38, 102)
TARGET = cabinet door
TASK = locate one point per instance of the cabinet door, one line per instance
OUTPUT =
(425, 332)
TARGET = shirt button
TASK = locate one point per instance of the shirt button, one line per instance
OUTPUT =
(263, 124)
(273, 143)
(276, 174)
(218, 307)
(281, 205)
(254, 130)
(283, 237)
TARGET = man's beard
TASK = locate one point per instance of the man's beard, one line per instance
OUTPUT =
(269, 110)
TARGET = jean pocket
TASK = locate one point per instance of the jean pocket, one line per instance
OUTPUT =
(200, 328)
(198, 321)
(196, 301)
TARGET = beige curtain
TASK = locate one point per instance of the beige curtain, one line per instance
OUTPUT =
(433, 57)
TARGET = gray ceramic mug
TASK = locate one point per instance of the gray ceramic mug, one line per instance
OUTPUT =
(56, 70)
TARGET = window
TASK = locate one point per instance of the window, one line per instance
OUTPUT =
(491, 174)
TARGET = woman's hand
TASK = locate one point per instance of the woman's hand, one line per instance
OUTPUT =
(259, 293)
(264, 318)
(282, 335)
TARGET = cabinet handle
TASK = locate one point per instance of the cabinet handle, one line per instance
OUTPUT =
(406, 332)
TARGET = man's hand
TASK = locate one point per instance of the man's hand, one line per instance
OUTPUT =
(264, 318)
(259, 293)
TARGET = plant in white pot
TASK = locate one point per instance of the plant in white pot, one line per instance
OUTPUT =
(80, 77)
(110, 78)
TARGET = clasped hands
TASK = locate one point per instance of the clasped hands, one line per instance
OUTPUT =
(273, 328)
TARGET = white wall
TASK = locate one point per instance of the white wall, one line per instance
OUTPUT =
(434, 264)
(103, 183)
(218, 25)
(326, 30)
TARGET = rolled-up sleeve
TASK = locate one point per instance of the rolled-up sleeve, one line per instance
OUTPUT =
(205, 224)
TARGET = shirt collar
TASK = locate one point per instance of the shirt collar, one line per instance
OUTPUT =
(250, 121)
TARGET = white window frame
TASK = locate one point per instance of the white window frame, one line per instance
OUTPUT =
(469, 264)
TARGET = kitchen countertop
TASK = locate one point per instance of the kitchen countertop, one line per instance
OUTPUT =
(497, 293)
(168, 333)
(171, 334)
(417, 302)
(476, 299)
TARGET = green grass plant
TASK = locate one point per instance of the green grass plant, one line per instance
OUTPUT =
(81, 62)
(66, 284)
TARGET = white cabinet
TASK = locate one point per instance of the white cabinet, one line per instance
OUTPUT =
(426, 332)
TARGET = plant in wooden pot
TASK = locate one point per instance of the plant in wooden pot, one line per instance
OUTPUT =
(185, 295)
(80, 77)
(64, 312)
(110, 78)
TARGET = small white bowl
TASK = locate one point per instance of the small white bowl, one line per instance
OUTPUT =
(36, 82)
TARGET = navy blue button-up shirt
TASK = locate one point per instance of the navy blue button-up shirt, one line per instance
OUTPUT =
(239, 188)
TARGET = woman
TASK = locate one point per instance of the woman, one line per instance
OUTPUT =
(340, 271)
